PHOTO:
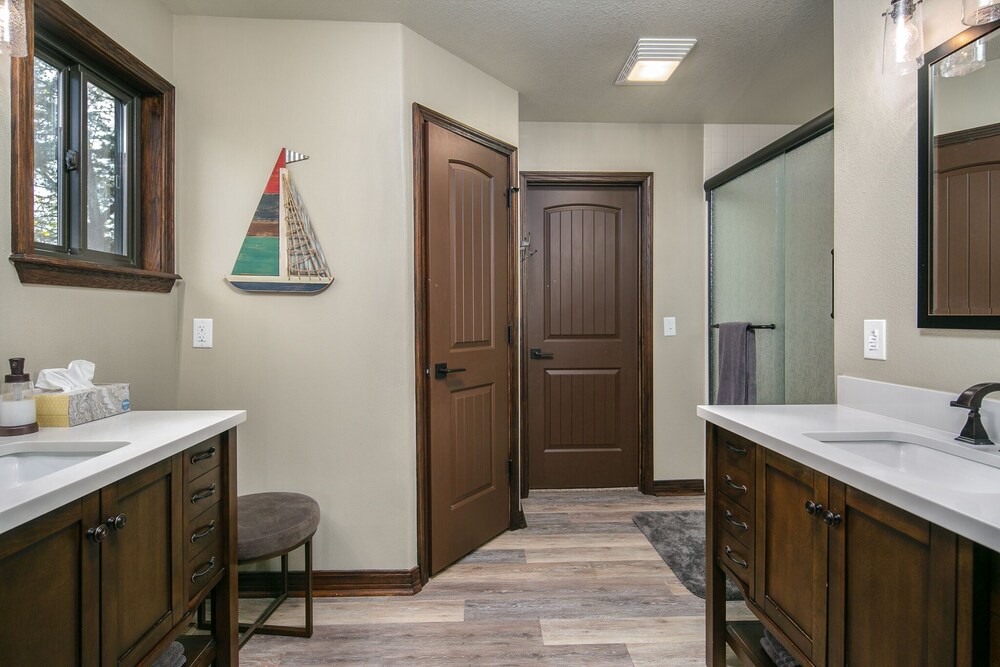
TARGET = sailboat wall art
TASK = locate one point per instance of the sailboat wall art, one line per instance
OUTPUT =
(280, 252)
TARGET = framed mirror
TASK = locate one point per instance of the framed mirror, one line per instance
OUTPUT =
(958, 283)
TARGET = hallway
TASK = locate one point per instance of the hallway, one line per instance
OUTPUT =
(580, 586)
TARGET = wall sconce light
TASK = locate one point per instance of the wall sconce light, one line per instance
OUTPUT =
(13, 33)
(978, 12)
(903, 48)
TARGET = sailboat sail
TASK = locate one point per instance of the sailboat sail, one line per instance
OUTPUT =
(280, 252)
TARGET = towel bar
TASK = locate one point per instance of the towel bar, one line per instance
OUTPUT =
(752, 326)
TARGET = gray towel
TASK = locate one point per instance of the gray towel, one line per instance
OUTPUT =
(737, 364)
(173, 656)
(777, 652)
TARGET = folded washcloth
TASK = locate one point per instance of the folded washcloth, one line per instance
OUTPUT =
(776, 652)
(173, 656)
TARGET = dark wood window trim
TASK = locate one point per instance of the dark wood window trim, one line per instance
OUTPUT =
(155, 272)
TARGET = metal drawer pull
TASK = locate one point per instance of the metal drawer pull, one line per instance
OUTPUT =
(831, 519)
(204, 532)
(209, 566)
(201, 456)
(736, 450)
(742, 488)
(812, 509)
(738, 524)
(204, 493)
(741, 563)
(98, 534)
(117, 522)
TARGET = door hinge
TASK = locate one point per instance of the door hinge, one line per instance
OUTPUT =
(510, 468)
(510, 334)
(508, 193)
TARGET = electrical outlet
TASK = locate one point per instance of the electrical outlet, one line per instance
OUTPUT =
(202, 333)
(875, 343)
(669, 326)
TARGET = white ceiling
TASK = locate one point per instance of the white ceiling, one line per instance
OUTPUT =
(756, 61)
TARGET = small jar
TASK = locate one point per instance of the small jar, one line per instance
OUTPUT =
(17, 401)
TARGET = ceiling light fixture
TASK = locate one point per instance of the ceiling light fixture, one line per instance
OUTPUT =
(903, 48)
(978, 12)
(653, 60)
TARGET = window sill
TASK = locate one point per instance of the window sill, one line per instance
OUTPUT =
(41, 270)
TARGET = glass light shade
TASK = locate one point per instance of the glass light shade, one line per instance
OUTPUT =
(977, 12)
(903, 48)
(652, 71)
(964, 61)
(13, 35)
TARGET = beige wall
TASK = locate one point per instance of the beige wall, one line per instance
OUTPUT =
(328, 380)
(875, 186)
(674, 154)
(132, 337)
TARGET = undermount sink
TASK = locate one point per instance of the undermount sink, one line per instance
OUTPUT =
(923, 460)
(21, 463)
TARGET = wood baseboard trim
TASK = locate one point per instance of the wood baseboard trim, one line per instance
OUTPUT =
(678, 487)
(335, 583)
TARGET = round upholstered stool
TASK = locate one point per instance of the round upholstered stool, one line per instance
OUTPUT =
(271, 525)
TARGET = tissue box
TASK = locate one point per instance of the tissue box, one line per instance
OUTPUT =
(73, 408)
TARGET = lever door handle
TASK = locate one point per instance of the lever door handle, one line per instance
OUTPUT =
(536, 353)
(441, 371)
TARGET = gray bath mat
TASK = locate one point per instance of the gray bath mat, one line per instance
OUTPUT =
(679, 538)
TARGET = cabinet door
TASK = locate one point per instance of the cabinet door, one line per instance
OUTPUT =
(892, 585)
(141, 581)
(791, 552)
(49, 589)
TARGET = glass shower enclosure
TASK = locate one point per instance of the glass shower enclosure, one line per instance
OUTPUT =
(771, 262)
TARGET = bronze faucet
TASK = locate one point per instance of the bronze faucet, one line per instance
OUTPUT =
(974, 432)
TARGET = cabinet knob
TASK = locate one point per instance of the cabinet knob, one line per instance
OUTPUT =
(117, 522)
(831, 519)
(812, 509)
(99, 533)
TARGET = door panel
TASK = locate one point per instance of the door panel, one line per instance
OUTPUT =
(467, 303)
(581, 307)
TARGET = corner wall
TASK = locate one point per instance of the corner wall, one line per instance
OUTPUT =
(875, 190)
(673, 153)
(131, 336)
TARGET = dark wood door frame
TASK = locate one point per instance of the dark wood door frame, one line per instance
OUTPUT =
(422, 116)
(644, 181)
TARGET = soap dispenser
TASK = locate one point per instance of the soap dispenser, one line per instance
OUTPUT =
(17, 401)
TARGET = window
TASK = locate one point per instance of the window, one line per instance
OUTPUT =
(93, 157)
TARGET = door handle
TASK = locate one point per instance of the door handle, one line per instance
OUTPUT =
(536, 353)
(441, 371)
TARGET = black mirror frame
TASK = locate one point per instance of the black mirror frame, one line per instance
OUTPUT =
(925, 189)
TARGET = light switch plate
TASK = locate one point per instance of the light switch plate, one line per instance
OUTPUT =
(202, 334)
(669, 326)
(875, 342)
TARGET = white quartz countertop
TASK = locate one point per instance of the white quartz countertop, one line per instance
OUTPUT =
(783, 429)
(151, 437)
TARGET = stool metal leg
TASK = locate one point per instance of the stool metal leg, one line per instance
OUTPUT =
(283, 630)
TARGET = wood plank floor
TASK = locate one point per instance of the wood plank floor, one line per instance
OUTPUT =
(579, 586)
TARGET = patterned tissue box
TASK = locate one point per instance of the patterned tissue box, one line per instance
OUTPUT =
(73, 408)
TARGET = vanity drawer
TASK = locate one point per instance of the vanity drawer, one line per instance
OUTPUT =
(735, 520)
(200, 571)
(203, 457)
(202, 531)
(736, 483)
(737, 558)
(202, 492)
(735, 451)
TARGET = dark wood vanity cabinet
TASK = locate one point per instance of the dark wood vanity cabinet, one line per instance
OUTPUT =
(839, 576)
(107, 580)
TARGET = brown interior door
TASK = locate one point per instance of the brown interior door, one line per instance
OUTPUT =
(467, 269)
(582, 336)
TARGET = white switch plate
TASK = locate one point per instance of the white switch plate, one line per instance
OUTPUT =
(202, 336)
(669, 326)
(875, 343)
